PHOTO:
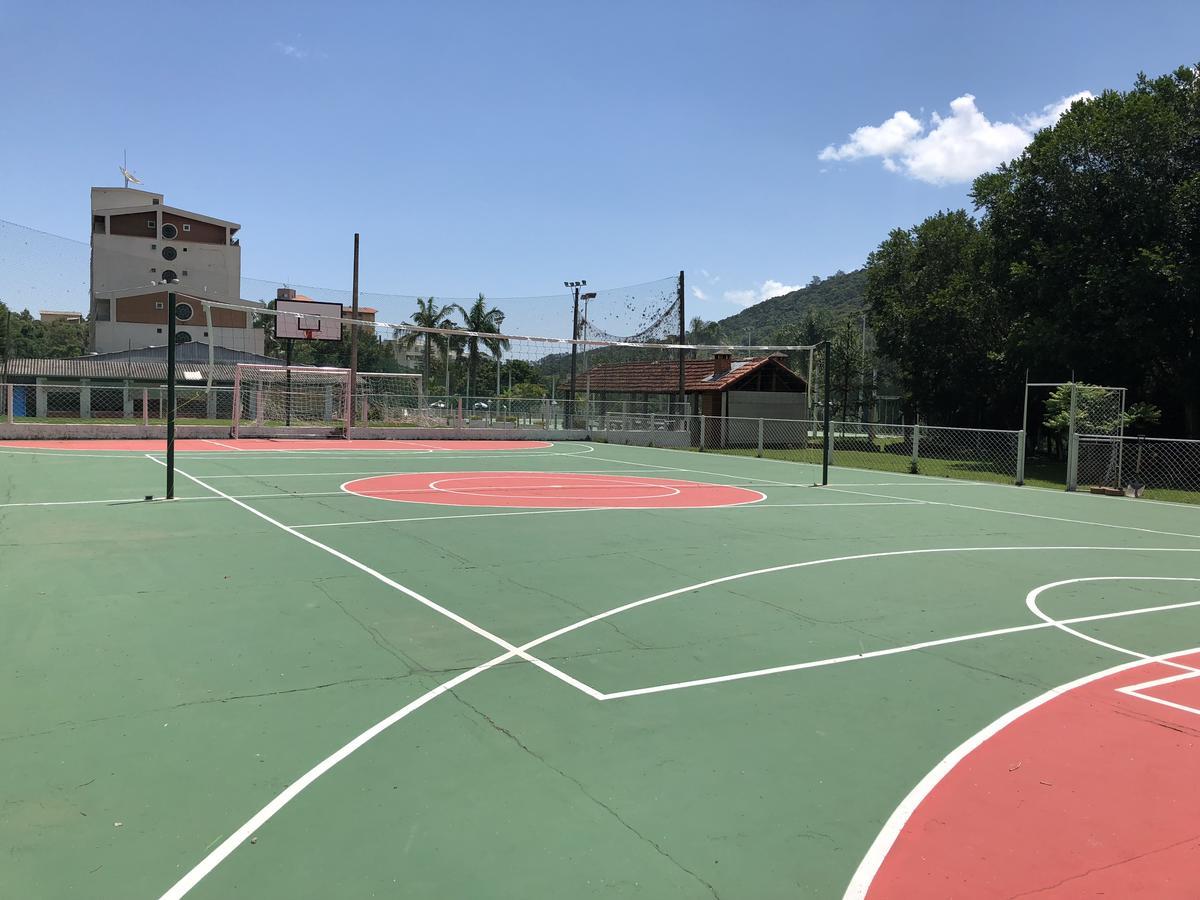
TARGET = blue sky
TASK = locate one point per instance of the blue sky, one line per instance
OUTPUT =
(505, 147)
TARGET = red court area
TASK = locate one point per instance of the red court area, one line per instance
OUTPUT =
(550, 490)
(214, 445)
(1091, 794)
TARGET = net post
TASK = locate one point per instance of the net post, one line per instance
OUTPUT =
(170, 395)
(828, 442)
(1021, 457)
(145, 406)
(1072, 443)
(258, 406)
(353, 344)
(760, 437)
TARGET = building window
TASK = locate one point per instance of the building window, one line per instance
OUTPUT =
(187, 227)
(158, 304)
(149, 223)
(168, 275)
(182, 337)
(169, 253)
(185, 271)
(169, 231)
(183, 312)
(159, 330)
(103, 309)
(155, 202)
(98, 224)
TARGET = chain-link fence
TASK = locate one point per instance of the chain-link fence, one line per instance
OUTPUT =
(98, 404)
(1155, 468)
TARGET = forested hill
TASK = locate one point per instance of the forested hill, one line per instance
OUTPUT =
(838, 295)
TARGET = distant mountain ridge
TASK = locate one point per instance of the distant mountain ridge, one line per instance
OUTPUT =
(840, 295)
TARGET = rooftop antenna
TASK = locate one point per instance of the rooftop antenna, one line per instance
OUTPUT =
(126, 174)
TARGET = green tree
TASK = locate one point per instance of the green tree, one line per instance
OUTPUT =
(1096, 229)
(483, 320)
(428, 315)
(935, 313)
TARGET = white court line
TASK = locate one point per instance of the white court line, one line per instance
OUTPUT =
(737, 676)
(860, 883)
(379, 576)
(1011, 512)
(1137, 690)
(221, 444)
(923, 645)
(538, 512)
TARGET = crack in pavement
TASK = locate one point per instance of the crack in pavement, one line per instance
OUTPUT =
(1113, 865)
(583, 790)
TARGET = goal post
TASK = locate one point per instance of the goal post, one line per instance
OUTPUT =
(290, 398)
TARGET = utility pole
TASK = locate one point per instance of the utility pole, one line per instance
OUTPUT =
(575, 286)
(353, 343)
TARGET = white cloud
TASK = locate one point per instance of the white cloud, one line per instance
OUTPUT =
(699, 294)
(765, 291)
(948, 149)
(291, 50)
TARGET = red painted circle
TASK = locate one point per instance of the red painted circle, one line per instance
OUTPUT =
(549, 490)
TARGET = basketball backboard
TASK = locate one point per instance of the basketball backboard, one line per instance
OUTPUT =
(308, 320)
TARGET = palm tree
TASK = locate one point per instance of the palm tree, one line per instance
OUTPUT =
(481, 319)
(428, 315)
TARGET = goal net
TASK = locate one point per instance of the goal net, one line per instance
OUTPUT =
(290, 397)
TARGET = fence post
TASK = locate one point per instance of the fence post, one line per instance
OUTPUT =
(701, 431)
(760, 437)
(8, 401)
(1021, 456)
(1073, 462)
(145, 406)
(916, 456)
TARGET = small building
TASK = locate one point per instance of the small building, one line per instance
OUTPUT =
(59, 315)
(755, 387)
(365, 313)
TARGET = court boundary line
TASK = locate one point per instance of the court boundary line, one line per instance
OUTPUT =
(530, 512)
(877, 852)
(1138, 690)
(1026, 515)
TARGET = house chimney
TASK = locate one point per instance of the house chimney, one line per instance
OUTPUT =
(285, 293)
(722, 360)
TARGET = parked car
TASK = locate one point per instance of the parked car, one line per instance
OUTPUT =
(479, 404)
(438, 404)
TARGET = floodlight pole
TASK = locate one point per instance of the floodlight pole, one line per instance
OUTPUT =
(170, 395)
(353, 341)
(287, 367)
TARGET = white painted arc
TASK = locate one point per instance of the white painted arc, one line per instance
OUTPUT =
(860, 883)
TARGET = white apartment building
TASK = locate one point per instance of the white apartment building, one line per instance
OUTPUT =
(137, 244)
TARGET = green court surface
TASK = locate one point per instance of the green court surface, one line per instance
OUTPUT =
(274, 688)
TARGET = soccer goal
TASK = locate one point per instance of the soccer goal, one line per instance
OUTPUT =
(298, 398)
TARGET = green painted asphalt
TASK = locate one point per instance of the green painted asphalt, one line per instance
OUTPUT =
(173, 667)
